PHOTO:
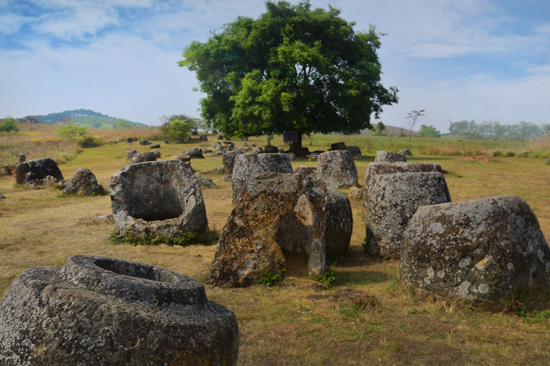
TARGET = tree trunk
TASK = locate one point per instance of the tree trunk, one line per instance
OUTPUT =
(297, 146)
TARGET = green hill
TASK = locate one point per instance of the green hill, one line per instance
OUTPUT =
(87, 118)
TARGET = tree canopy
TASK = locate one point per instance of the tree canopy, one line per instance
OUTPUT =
(292, 69)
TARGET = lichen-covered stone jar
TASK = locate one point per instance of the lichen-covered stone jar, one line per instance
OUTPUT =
(104, 311)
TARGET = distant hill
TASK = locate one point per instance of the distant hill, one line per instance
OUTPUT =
(392, 131)
(87, 118)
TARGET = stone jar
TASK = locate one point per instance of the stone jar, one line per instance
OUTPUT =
(337, 168)
(158, 198)
(104, 311)
(482, 251)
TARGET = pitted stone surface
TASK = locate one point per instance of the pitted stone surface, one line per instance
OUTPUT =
(389, 157)
(83, 183)
(258, 150)
(306, 170)
(228, 160)
(247, 165)
(337, 168)
(130, 153)
(32, 171)
(405, 152)
(391, 201)
(144, 157)
(277, 215)
(400, 167)
(104, 311)
(157, 198)
(480, 251)
(339, 222)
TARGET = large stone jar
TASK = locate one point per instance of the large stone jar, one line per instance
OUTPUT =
(159, 198)
(104, 311)
(483, 251)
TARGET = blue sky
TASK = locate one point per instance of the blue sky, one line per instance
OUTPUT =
(456, 59)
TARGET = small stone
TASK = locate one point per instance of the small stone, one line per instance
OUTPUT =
(144, 142)
(154, 146)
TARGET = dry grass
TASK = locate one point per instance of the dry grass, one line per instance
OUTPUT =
(284, 325)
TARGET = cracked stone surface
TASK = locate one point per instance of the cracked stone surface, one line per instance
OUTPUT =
(480, 251)
(278, 217)
(105, 311)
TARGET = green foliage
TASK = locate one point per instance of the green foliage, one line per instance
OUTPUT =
(9, 124)
(379, 128)
(428, 131)
(88, 141)
(350, 310)
(72, 132)
(327, 277)
(181, 239)
(271, 278)
(292, 69)
(534, 317)
(497, 153)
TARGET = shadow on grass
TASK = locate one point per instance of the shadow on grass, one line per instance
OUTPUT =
(359, 277)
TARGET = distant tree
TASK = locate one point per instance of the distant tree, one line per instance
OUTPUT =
(179, 130)
(72, 132)
(293, 69)
(379, 128)
(9, 124)
(411, 120)
(428, 131)
(170, 131)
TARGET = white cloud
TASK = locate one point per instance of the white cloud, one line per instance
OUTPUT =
(12, 23)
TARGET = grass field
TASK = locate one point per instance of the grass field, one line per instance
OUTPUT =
(283, 325)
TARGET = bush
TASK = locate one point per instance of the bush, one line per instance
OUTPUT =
(9, 124)
(523, 154)
(88, 141)
(509, 154)
(72, 132)
(497, 153)
(178, 130)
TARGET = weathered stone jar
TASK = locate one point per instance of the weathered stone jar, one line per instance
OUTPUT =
(159, 198)
(248, 165)
(391, 201)
(481, 251)
(337, 168)
(104, 311)
(36, 170)
(281, 221)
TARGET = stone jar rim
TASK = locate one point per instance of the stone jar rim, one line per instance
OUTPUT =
(133, 282)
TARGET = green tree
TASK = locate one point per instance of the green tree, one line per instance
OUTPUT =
(9, 124)
(179, 130)
(292, 69)
(72, 132)
(428, 131)
(379, 128)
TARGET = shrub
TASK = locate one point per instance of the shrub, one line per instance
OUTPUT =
(72, 132)
(497, 153)
(88, 141)
(9, 124)
(523, 154)
(509, 154)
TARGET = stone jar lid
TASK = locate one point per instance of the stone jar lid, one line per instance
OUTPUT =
(132, 281)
